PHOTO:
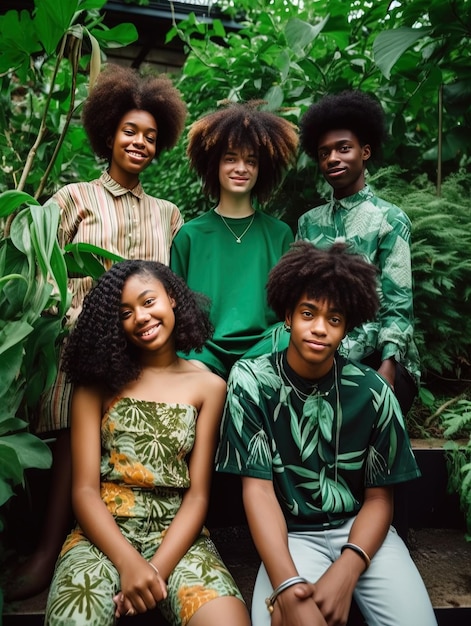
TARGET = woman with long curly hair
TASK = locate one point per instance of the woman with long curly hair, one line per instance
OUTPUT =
(144, 430)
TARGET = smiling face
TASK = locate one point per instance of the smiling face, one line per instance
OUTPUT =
(133, 147)
(342, 161)
(147, 313)
(317, 328)
(238, 171)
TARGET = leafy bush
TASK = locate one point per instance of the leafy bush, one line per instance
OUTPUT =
(441, 265)
(33, 280)
(457, 422)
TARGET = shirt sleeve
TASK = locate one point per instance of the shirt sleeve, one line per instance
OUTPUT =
(179, 254)
(176, 221)
(390, 458)
(244, 446)
(396, 315)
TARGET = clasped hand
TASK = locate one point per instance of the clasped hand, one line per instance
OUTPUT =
(141, 589)
(296, 607)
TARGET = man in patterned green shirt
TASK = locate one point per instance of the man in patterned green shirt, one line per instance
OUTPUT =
(319, 442)
(342, 133)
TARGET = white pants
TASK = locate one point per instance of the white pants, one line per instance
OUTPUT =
(390, 593)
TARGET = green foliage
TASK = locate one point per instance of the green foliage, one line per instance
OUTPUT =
(457, 423)
(441, 265)
(413, 56)
(34, 299)
(33, 280)
(43, 84)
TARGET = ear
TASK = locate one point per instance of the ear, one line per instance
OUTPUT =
(366, 152)
(288, 318)
(109, 142)
(173, 303)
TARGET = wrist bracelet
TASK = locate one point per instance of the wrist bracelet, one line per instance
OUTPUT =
(359, 551)
(289, 582)
(154, 568)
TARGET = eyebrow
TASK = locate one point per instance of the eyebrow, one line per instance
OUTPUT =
(141, 295)
(252, 155)
(134, 125)
(313, 307)
(336, 143)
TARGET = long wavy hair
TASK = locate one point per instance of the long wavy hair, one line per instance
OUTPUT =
(97, 350)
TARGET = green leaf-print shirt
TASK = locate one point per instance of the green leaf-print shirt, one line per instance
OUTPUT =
(321, 453)
(380, 232)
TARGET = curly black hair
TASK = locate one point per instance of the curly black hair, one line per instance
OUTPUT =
(121, 89)
(242, 125)
(97, 351)
(348, 110)
(337, 275)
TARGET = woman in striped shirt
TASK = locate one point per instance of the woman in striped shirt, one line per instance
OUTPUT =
(129, 120)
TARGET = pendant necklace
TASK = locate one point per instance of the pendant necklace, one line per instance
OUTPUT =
(238, 238)
(302, 395)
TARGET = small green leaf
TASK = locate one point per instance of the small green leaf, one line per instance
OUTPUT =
(118, 36)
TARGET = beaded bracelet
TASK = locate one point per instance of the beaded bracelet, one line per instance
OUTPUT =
(294, 580)
(359, 551)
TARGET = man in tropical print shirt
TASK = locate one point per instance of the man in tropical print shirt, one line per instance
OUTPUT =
(319, 442)
(343, 133)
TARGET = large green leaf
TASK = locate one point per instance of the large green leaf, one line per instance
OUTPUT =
(31, 451)
(19, 41)
(11, 424)
(12, 333)
(10, 364)
(10, 200)
(390, 45)
(300, 34)
(81, 259)
(11, 473)
(52, 19)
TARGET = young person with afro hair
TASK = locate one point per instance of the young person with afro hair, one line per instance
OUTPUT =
(319, 441)
(241, 154)
(343, 132)
(129, 120)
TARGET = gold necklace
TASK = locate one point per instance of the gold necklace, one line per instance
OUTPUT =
(238, 238)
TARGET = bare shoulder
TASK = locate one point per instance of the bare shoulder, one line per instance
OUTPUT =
(207, 378)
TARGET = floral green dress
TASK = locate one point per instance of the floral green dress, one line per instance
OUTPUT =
(144, 474)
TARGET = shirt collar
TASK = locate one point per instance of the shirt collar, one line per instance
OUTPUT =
(351, 202)
(118, 190)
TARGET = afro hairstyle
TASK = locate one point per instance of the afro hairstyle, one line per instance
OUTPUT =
(239, 125)
(335, 275)
(121, 89)
(97, 350)
(348, 110)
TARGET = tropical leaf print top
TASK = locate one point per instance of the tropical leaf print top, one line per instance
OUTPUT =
(321, 446)
(146, 444)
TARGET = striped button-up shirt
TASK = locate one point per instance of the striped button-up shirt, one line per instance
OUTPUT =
(126, 222)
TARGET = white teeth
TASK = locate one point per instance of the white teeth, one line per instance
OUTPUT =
(148, 332)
